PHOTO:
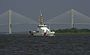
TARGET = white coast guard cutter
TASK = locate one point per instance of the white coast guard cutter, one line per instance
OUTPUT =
(42, 29)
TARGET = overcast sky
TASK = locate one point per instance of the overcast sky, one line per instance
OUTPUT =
(50, 8)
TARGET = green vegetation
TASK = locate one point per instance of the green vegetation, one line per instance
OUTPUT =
(73, 31)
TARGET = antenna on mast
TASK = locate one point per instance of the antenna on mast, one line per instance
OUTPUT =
(40, 13)
(41, 20)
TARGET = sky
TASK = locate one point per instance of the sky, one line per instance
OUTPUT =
(50, 8)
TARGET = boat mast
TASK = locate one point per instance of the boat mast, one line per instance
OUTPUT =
(41, 19)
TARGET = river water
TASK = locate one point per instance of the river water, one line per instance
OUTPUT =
(59, 45)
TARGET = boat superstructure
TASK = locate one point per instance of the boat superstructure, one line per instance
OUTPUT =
(42, 29)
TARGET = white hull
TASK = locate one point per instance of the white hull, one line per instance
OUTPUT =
(42, 34)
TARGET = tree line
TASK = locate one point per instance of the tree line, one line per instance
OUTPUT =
(72, 30)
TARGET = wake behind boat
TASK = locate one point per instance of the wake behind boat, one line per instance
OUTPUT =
(42, 29)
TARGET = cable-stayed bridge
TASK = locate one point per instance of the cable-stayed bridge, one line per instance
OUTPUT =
(70, 19)
(12, 22)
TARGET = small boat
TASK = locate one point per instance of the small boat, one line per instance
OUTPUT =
(42, 29)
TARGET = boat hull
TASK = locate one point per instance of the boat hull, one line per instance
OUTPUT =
(44, 34)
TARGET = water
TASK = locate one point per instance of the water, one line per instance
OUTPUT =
(58, 45)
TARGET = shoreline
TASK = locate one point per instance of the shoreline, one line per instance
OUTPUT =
(83, 33)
